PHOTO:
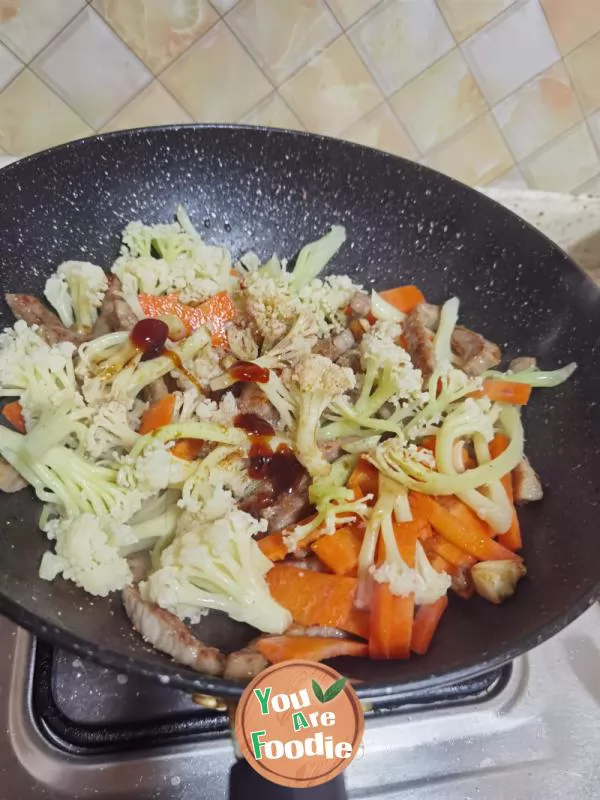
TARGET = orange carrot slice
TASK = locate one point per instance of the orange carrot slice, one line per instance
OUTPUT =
(318, 598)
(215, 312)
(425, 625)
(512, 538)
(274, 547)
(469, 540)
(500, 391)
(339, 551)
(13, 412)
(465, 514)
(158, 414)
(364, 479)
(391, 623)
(187, 449)
(404, 298)
(449, 552)
(309, 648)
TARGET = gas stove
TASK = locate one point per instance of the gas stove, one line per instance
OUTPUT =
(528, 730)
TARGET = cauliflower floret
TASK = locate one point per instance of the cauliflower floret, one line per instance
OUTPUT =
(315, 381)
(113, 429)
(217, 565)
(218, 482)
(40, 375)
(87, 553)
(153, 470)
(76, 291)
(426, 584)
(327, 299)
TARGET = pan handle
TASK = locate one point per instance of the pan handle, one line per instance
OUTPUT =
(244, 782)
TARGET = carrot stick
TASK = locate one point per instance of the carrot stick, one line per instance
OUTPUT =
(406, 534)
(187, 449)
(449, 552)
(308, 648)
(404, 298)
(215, 312)
(512, 538)
(465, 514)
(428, 442)
(339, 551)
(506, 391)
(275, 548)
(391, 623)
(158, 414)
(447, 525)
(318, 598)
(364, 479)
(13, 412)
(426, 621)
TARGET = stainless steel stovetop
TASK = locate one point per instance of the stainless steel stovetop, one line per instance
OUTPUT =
(73, 729)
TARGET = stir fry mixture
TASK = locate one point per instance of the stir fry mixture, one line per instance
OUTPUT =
(320, 462)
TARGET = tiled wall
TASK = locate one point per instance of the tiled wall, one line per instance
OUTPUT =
(502, 92)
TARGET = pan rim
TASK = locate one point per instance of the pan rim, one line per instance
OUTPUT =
(371, 689)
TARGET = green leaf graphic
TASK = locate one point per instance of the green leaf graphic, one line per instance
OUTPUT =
(318, 692)
(335, 688)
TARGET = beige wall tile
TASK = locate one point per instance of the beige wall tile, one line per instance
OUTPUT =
(273, 112)
(465, 17)
(90, 68)
(216, 80)
(401, 38)
(158, 31)
(153, 106)
(474, 156)
(572, 21)
(9, 66)
(333, 91)
(565, 164)
(439, 102)
(512, 179)
(589, 187)
(35, 23)
(349, 11)
(584, 68)
(380, 129)
(538, 112)
(32, 117)
(282, 37)
(511, 50)
(223, 6)
(594, 125)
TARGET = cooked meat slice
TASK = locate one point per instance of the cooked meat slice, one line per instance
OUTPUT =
(241, 665)
(526, 482)
(335, 346)
(360, 304)
(351, 358)
(419, 339)
(429, 315)
(115, 313)
(522, 364)
(254, 401)
(167, 633)
(258, 499)
(155, 390)
(10, 480)
(140, 565)
(288, 508)
(34, 312)
(475, 353)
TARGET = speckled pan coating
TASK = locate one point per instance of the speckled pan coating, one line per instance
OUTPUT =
(272, 191)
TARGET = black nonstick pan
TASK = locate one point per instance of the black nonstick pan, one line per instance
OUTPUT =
(272, 191)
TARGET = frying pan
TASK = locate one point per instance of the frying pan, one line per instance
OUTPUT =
(272, 191)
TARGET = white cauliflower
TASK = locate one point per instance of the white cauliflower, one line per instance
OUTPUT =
(40, 375)
(217, 565)
(76, 291)
(87, 552)
(153, 469)
(423, 581)
(112, 429)
(219, 481)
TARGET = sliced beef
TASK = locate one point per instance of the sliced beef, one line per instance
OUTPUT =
(475, 353)
(140, 565)
(167, 633)
(335, 346)
(288, 508)
(10, 480)
(360, 305)
(254, 401)
(522, 364)
(115, 313)
(351, 358)
(34, 312)
(262, 496)
(244, 664)
(526, 483)
(419, 338)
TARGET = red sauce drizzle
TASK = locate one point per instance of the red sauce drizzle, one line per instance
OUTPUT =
(180, 368)
(280, 467)
(254, 425)
(247, 372)
(149, 337)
